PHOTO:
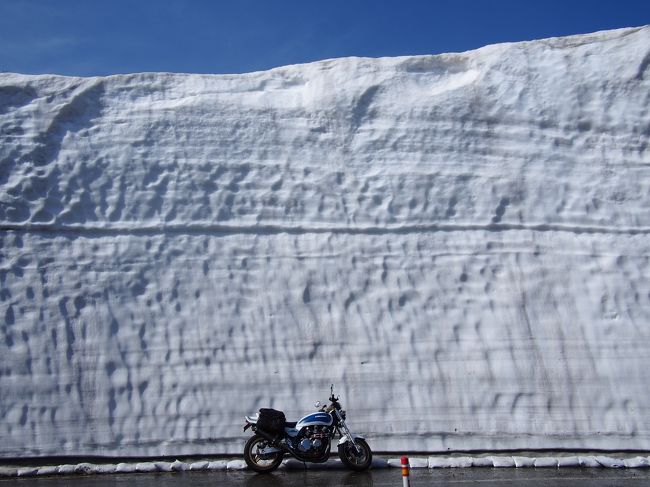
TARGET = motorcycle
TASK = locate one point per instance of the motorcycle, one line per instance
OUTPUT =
(308, 440)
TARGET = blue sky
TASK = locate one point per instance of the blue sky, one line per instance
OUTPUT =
(89, 37)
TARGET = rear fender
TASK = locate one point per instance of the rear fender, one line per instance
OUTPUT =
(250, 421)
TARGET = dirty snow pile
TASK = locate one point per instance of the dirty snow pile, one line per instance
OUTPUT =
(152, 466)
(460, 243)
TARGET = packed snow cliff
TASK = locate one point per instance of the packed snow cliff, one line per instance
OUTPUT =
(460, 243)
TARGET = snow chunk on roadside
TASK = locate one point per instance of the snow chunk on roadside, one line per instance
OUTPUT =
(217, 465)
(461, 462)
(236, 465)
(503, 462)
(482, 462)
(546, 462)
(609, 462)
(636, 462)
(418, 462)
(589, 462)
(27, 472)
(163, 466)
(523, 462)
(438, 462)
(68, 469)
(568, 462)
(125, 468)
(178, 466)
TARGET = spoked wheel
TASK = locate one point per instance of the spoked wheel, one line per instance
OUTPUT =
(257, 459)
(356, 460)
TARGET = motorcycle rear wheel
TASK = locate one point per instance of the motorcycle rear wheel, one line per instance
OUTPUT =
(261, 462)
(356, 460)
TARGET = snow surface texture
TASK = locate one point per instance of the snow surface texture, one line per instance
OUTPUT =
(458, 242)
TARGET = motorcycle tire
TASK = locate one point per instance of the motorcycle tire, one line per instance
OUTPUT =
(352, 459)
(262, 463)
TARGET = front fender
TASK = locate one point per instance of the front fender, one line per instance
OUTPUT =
(343, 440)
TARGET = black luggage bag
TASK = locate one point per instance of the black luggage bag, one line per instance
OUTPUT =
(271, 421)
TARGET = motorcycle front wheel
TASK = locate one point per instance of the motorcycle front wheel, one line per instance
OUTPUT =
(259, 461)
(360, 460)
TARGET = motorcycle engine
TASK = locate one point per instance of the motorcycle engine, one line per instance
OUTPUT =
(315, 439)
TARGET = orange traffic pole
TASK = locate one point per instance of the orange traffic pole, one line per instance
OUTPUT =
(405, 472)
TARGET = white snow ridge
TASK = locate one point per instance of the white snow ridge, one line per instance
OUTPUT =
(460, 243)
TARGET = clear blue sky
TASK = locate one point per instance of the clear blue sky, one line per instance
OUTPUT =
(92, 37)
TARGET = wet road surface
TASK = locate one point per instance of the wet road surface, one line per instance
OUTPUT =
(574, 477)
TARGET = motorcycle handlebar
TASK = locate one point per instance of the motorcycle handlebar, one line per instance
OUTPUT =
(333, 405)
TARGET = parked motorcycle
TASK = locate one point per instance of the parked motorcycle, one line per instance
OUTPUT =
(308, 440)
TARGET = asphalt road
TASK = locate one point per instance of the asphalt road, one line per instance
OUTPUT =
(458, 477)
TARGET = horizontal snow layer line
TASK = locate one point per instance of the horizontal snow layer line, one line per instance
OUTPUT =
(271, 229)
(291, 464)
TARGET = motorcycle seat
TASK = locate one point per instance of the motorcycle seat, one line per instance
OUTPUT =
(290, 424)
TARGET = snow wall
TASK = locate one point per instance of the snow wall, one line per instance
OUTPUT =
(460, 243)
